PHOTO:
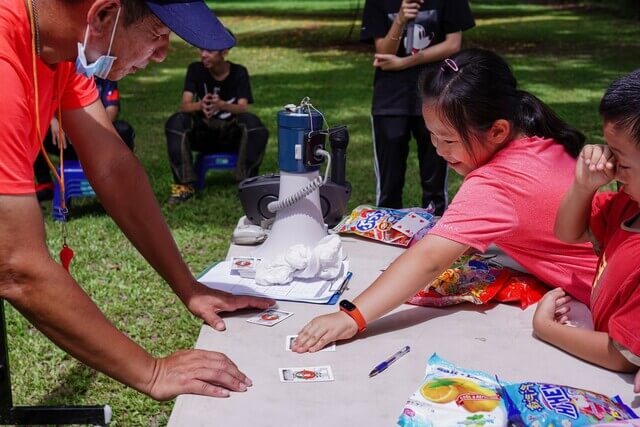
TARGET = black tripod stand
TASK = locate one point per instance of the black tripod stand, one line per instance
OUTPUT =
(30, 415)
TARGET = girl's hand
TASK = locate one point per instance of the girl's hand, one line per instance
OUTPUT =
(389, 62)
(596, 166)
(408, 10)
(324, 330)
(552, 308)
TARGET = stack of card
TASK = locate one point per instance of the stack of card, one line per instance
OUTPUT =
(244, 266)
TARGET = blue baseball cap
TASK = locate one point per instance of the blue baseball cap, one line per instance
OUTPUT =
(194, 22)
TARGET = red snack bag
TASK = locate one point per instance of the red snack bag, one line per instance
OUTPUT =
(520, 287)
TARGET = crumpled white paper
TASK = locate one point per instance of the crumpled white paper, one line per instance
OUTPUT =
(323, 261)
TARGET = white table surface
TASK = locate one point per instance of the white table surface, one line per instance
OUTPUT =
(495, 338)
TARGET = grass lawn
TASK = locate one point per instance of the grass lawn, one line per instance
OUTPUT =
(292, 48)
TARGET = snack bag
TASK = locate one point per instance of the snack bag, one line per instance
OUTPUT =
(522, 288)
(451, 396)
(471, 279)
(542, 405)
(382, 224)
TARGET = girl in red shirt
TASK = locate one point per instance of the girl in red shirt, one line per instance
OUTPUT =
(611, 221)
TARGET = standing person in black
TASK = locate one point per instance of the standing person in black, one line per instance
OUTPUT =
(437, 27)
(214, 118)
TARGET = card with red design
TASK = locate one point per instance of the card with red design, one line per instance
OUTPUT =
(270, 317)
(306, 375)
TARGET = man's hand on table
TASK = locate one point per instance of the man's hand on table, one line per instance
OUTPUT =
(206, 303)
(324, 330)
(207, 373)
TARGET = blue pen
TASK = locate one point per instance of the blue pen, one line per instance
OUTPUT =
(384, 365)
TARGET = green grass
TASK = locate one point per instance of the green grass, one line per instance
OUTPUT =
(292, 49)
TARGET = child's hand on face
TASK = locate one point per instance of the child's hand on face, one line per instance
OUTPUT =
(324, 330)
(552, 308)
(596, 166)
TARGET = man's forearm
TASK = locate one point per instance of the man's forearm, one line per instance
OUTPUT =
(49, 297)
(190, 107)
(137, 213)
(45, 294)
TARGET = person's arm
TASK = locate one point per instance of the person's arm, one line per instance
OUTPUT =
(112, 112)
(188, 105)
(593, 346)
(409, 273)
(53, 302)
(391, 41)
(390, 62)
(112, 167)
(595, 167)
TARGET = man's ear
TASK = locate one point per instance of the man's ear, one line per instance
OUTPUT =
(101, 17)
(499, 132)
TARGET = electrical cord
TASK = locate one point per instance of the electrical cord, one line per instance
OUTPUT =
(294, 198)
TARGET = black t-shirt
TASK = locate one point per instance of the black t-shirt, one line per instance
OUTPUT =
(396, 92)
(235, 86)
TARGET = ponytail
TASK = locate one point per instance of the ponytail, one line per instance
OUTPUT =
(534, 117)
(476, 87)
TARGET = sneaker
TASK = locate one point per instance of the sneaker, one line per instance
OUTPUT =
(44, 191)
(180, 193)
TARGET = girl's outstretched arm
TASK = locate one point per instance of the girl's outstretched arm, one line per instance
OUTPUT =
(409, 273)
(593, 346)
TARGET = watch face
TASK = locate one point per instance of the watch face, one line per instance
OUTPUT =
(347, 305)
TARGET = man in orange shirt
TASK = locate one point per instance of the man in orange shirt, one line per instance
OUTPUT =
(108, 39)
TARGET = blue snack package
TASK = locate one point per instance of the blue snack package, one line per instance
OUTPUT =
(533, 404)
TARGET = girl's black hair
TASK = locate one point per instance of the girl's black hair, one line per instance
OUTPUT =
(476, 87)
(621, 104)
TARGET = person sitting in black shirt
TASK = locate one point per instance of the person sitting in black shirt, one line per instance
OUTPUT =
(214, 118)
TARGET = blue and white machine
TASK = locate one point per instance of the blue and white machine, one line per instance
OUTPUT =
(301, 151)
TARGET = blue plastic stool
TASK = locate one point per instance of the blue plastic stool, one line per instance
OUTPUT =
(76, 185)
(220, 161)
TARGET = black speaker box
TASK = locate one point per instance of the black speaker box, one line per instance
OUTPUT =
(257, 192)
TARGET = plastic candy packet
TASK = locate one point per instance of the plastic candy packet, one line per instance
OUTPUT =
(478, 280)
(451, 396)
(522, 288)
(540, 405)
(471, 279)
(384, 225)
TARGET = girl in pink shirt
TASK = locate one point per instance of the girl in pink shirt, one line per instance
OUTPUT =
(509, 146)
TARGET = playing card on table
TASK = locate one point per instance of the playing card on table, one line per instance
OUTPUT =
(292, 338)
(410, 224)
(269, 317)
(306, 375)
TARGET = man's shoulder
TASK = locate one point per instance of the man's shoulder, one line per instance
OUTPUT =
(238, 68)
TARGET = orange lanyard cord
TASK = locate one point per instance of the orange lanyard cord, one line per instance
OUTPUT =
(59, 178)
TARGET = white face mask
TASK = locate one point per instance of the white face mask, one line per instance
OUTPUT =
(102, 66)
